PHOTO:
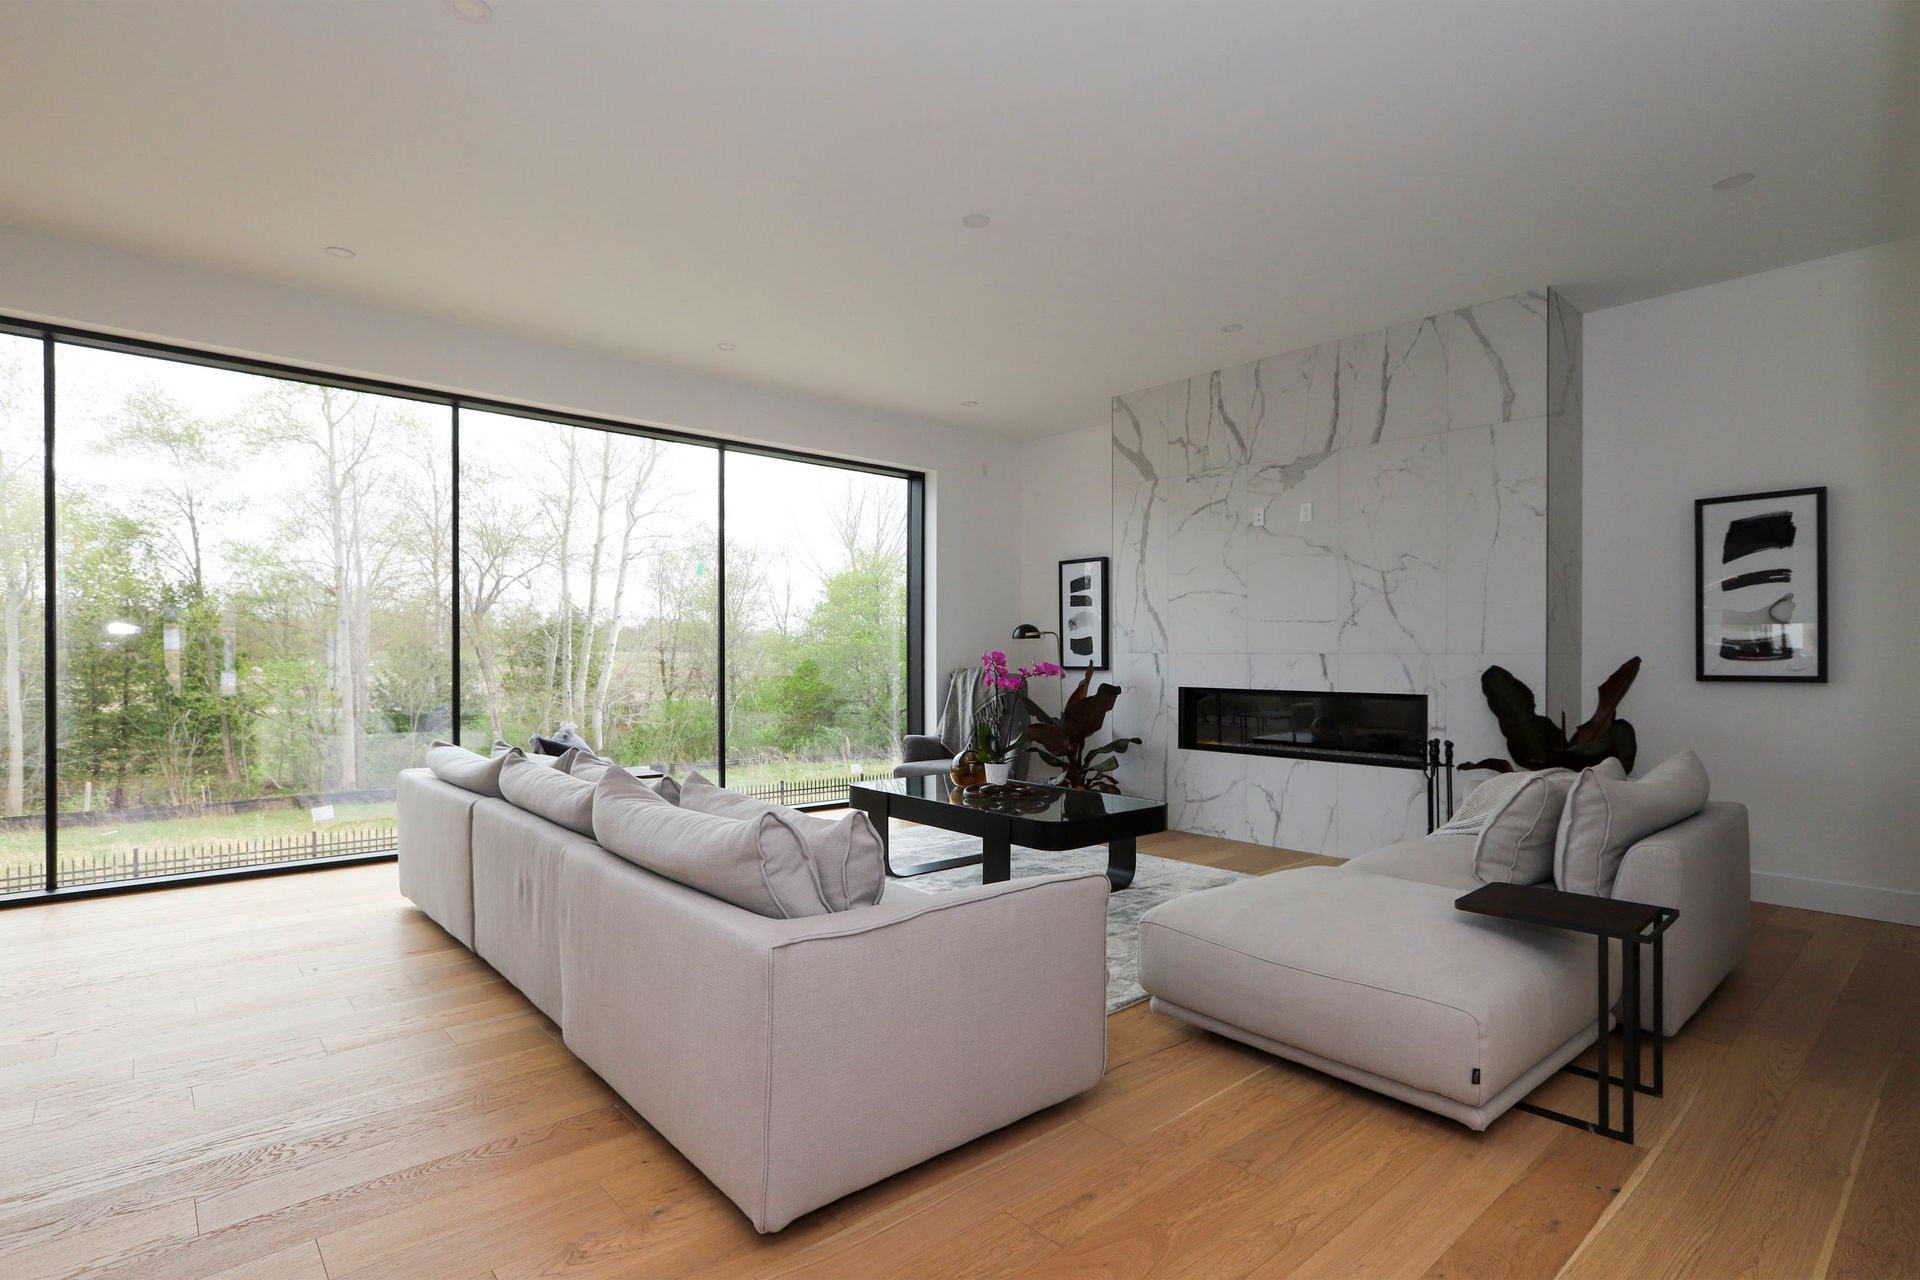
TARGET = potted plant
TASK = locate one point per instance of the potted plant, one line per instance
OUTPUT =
(1538, 743)
(995, 750)
(1062, 743)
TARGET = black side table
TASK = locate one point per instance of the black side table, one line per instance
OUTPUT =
(1633, 925)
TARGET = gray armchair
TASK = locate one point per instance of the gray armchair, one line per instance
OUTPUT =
(967, 700)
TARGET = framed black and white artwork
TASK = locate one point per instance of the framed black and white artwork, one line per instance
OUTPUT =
(1760, 586)
(1083, 614)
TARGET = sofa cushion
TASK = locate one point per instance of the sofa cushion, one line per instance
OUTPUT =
(1606, 813)
(469, 770)
(1444, 858)
(591, 767)
(848, 858)
(757, 863)
(1375, 972)
(1516, 842)
(545, 790)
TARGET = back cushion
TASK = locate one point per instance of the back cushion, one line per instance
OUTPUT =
(1517, 833)
(467, 770)
(591, 767)
(546, 790)
(757, 863)
(846, 852)
(1608, 813)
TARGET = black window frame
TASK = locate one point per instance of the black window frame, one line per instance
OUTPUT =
(52, 336)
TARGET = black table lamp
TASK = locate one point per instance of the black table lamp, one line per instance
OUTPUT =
(1027, 631)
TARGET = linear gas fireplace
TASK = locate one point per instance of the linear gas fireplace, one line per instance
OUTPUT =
(1388, 730)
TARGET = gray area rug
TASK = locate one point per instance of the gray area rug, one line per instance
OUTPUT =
(1155, 880)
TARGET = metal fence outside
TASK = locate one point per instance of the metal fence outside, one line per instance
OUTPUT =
(374, 837)
(212, 855)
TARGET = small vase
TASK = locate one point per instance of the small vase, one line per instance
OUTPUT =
(967, 770)
(997, 774)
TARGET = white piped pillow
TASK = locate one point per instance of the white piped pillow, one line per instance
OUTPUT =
(1607, 815)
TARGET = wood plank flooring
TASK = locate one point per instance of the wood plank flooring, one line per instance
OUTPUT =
(302, 1078)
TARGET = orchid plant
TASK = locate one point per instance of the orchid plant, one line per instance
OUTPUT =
(1006, 681)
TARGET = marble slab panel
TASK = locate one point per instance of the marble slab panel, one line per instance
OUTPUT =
(1207, 564)
(1143, 710)
(1293, 804)
(1497, 537)
(1207, 419)
(1297, 588)
(1207, 793)
(1140, 434)
(1378, 807)
(1393, 383)
(1393, 535)
(1497, 360)
(1139, 608)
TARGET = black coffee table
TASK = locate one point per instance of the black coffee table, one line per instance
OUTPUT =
(1053, 818)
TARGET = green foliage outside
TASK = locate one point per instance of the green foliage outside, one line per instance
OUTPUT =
(255, 597)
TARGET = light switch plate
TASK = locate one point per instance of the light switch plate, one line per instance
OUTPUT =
(1306, 513)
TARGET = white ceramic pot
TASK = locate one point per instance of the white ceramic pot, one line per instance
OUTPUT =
(997, 774)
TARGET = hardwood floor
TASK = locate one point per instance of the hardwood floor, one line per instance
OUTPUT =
(302, 1078)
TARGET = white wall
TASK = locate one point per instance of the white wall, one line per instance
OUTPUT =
(971, 597)
(1803, 376)
(1063, 516)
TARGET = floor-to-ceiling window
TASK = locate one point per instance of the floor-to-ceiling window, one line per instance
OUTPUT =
(252, 585)
(817, 682)
(271, 590)
(588, 589)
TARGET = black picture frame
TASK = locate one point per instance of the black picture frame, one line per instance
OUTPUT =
(1761, 647)
(1077, 631)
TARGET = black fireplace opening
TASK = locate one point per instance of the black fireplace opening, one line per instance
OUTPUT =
(1384, 729)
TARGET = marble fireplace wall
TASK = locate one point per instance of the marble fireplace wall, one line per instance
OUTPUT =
(1423, 450)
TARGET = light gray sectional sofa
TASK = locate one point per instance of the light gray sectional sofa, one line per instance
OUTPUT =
(1368, 972)
(792, 1060)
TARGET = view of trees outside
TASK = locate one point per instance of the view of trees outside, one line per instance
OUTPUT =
(252, 615)
(816, 625)
(255, 601)
(588, 581)
(22, 580)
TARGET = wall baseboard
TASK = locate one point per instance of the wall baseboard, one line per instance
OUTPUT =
(1895, 905)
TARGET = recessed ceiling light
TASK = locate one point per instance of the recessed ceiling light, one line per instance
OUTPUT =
(340, 251)
(969, 404)
(975, 220)
(471, 10)
(1737, 180)
(1231, 328)
(724, 346)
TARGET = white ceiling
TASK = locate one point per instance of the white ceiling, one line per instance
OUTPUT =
(658, 178)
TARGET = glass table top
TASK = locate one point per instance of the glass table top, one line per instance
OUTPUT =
(1045, 804)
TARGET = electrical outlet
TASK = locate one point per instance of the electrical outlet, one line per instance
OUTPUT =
(1259, 517)
(1306, 513)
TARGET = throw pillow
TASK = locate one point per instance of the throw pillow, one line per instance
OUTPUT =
(1517, 837)
(548, 791)
(1607, 813)
(1482, 803)
(846, 852)
(759, 863)
(468, 770)
(591, 767)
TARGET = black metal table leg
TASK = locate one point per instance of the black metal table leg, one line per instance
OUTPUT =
(1630, 1003)
(996, 856)
(874, 805)
(1659, 1015)
(1120, 858)
(1606, 1012)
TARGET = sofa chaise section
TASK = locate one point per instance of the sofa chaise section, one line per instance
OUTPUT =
(1375, 978)
(795, 1061)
